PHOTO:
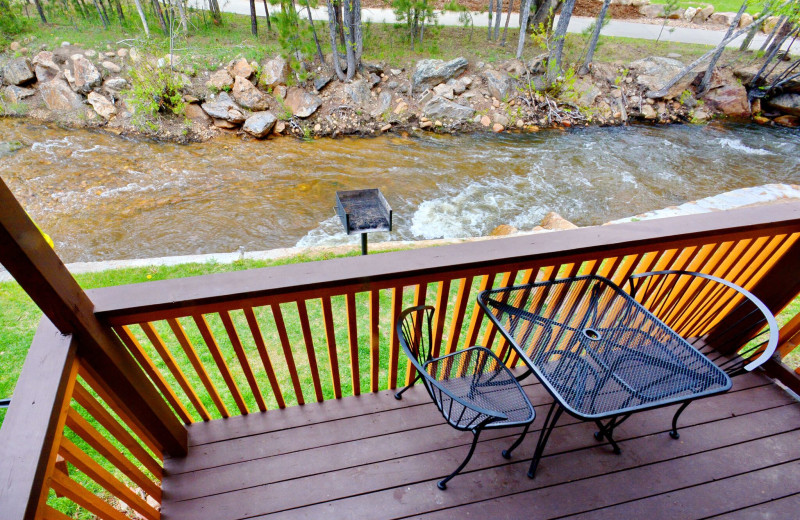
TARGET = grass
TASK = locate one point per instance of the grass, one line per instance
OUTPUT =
(720, 6)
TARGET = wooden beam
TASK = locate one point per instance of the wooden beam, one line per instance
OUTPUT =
(40, 272)
(29, 429)
(183, 296)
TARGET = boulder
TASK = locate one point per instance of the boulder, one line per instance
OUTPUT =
(503, 230)
(359, 92)
(652, 11)
(196, 113)
(788, 103)
(648, 112)
(102, 105)
(220, 80)
(14, 46)
(321, 81)
(260, 124)
(111, 67)
(115, 85)
(302, 103)
(440, 108)
(729, 96)
(556, 222)
(432, 72)
(57, 95)
(654, 72)
(725, 19)
(45, 67)
(689, 13)
(122, 52)
(788, 121)
(498, 82)
(703, 14)
(384, 104)
(677, 14)
(587, 92)
(247, 95)
(745, 20)
(83, 75)
(15, 94)
(18, 72)
(7, 148)
(240, 68)
(444, 90)
(274, 72)
(224, 109)
(458, 85)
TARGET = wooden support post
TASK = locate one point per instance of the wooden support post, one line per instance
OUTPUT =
(40, 272)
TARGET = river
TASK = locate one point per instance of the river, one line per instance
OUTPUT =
(103, 197)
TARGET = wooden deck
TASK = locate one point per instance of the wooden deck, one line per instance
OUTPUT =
(374, 457)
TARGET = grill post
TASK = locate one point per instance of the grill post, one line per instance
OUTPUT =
(363, 244)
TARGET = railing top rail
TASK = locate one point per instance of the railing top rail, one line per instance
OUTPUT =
(195, 292)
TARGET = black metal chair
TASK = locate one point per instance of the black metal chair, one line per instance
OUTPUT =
(472, 388)
(727, 323)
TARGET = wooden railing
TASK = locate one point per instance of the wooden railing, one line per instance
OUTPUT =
(222, 345)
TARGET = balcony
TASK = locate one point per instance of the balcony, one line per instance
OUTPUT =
(268, 393)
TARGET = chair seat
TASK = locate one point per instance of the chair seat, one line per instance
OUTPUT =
(495, 388)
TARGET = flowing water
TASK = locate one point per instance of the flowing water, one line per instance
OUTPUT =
(103, 197)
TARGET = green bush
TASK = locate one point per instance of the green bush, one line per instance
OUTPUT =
(154, 90)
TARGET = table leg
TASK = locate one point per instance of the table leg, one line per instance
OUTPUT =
(607, 431)
(547, 428)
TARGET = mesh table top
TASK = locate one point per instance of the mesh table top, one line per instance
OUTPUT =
(596, 350)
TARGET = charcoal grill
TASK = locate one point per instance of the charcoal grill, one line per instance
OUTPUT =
(363, 211)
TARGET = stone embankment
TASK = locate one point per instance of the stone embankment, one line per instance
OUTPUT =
(84, 87)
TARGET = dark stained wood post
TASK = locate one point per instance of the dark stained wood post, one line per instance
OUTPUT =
(40, 272)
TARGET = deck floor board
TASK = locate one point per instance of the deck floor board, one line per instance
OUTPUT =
(382, 460)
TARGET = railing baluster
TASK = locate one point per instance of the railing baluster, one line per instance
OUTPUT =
(287, 351)
(302, 312)
(174, 368)
(130, 341)
(84, 398)
(236, 343)
(475, 320)
(420, 296)
(67, 487)
(457, 321)
(213, 347)
(255, 330)
(330, 338)
(394, 342)
(93, 470)
(103, 446)
(374, 339)
(199, 368)
(352, 335)
(442, 295)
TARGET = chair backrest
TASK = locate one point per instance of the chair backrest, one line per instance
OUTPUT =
(415, 332)
(727, 323)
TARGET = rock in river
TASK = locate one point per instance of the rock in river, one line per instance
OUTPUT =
(45, 66)
(58, 96)
(83, 76)
(102, 105)
(15, 94)
(247, 95)
(432, 72)
(260, 124)
(18, 72)
(788, 103)
(499, 83)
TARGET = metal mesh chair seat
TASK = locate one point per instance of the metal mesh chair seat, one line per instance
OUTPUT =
(472, 388)
(494, 388)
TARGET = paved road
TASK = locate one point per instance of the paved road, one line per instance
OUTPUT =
(577, 24)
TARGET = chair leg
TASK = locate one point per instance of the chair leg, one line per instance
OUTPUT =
(399, 395)
(507, 453)
(442, 484)
(674, 433)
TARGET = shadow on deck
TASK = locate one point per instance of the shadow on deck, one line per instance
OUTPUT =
(375, 457)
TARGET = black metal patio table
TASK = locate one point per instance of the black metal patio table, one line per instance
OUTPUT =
(598, 352)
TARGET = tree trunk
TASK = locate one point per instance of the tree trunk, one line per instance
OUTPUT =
(100, 14)
(598, 25)
(105, 13)
(216, 14)
(182, 14)
(359, 35)
(772, 34)
(337, 7)
(497, 18)
(715, 57)
(349, 47)
(269, 22)
(332, 30)
(314, 33)
(39, 8)
(524, 16)
(120, 14)
(159, 16)
(754, 29)
(491, 12)
(142, 16)
(508, 18)
(543, 16)
(554, 63)
(253, 18)
(780, 37)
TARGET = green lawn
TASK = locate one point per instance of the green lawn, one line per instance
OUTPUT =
(720, 6)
